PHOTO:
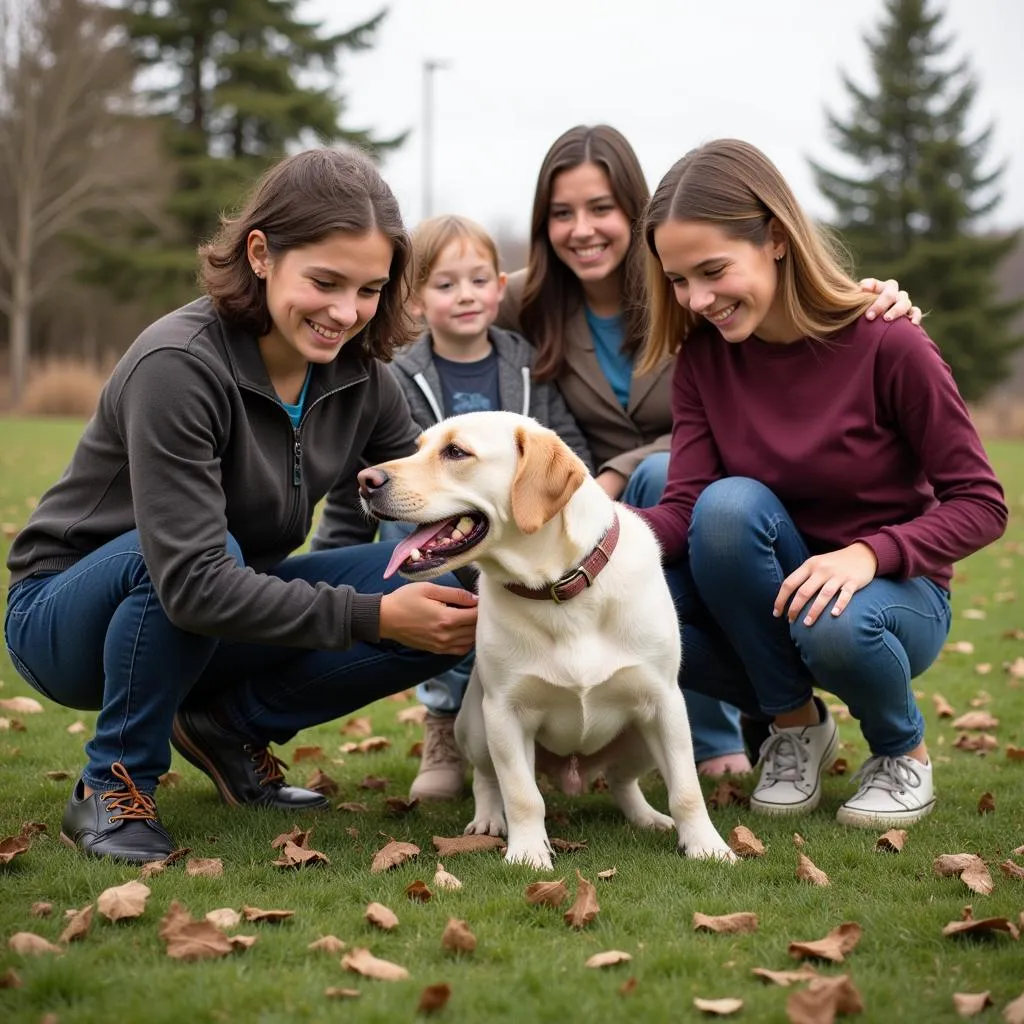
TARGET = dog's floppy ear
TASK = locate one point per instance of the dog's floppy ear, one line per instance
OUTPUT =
(548, 474)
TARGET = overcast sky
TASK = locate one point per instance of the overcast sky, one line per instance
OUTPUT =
(669, 74)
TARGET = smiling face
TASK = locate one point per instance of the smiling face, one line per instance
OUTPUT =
(587, 228)
(319, 296)
(731, 282)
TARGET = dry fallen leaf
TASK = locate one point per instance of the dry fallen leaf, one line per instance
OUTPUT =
(976, 720)
(270, 916)
(204, 867)
(985, 925)
(223, 918)
(169, 779)
(1014, 753)
(293, 856)
(78, 924)
(243, 941)
(373, 743)
(418, 891)
(307, 754)
(1011, 870)
(585, 908)
(786, 978)
(192, 940)
(414, 715)
(333, 992)
(840, 941)
(361, 726)
(960, 647)
(434, 998)
(726, 923)
(381, 917)
(362, 961)
(75, 728)
(457, 937)
(123, 901)
(42, 909)
(328, 944)
(353, 807)
(607, 874)
(547, 894)
(398, 806)
(59, 775)
(942, 706)
(30, 944)
(978, 741)
(10, 979)
(22, 705)
(444, 880)
(321, 782)
(1013, 1013)
(375, 782)
(840, 766)
(727, 794)
(977, 614)
(970, 1004)
(608, 959)
(392, 854)
(986, 803)
(12, 846)
(718, 1007)
(448, 847)
(823, 1000)
(744, 843)
(891, 841)
(807, 871)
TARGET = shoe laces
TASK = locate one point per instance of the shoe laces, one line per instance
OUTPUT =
(894, 774)
(784, 756)
(129, 803)
(439, 742)
(269, 767)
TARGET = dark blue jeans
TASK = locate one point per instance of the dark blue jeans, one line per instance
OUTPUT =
(95, 637)
(743, 544)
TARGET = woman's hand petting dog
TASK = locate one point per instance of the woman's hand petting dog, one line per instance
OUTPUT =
(840, 573)
(429, 617)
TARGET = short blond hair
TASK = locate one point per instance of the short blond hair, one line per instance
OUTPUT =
(431, 237)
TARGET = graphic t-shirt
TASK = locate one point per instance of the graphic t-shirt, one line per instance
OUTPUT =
(469, 387)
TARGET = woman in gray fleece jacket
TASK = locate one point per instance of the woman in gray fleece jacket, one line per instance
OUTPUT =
(155, 581)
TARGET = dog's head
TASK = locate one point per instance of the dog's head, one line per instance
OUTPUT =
(475, 480)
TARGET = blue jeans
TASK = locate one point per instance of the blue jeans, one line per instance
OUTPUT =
(95, 637)
(743, 544)
(715, 726)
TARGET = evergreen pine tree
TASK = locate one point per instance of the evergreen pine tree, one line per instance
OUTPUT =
(238, 84)
(914, 210)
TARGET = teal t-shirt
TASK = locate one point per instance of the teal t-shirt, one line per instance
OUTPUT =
(617, 365)
(295, 411)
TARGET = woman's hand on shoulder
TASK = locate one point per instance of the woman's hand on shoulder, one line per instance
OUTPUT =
(892, 302)
(429, 617)
(835, 574)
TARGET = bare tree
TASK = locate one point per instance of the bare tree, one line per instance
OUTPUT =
(71, 150)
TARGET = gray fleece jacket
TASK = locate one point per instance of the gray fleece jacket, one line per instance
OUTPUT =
(190, 443)
(414, 369)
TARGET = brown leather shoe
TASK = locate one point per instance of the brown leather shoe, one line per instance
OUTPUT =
(442, 774)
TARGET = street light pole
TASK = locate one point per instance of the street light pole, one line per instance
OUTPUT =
(429, 67)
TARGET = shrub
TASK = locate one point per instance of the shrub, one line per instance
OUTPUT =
(62, 387)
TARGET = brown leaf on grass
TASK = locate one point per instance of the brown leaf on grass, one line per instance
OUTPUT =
(269, 916)
(449, 847)
(42, 909)
(959, 647)
(58, 776)
(786, 978)
(348, 748)
(30, 944)
(986, 803)
(1019, 852)
(243, 941)
(984, 926)
(970, 1004)
(728, 794)
(823, 1000)
(840, 766)
(457, 936)
(1015, 668)
(76, 728)
(307, 754)
(369, 745)
(984, 698)
(223, 918)
(979, 741)
(381, 917)
(718, 1007)
(298, 836)
(434, 998)
(192, 940)
(361, 726)
(841, 940)
(744, 843)
(628, 987)
(321, 782)
(416, 750)
(976, 614)
(414, 715)
(609, 958)
(392, 854)
(607, 874)
(362, 961)
(294, 856)
(375, 782)
(78, 924)
(942, 706)
(972, 870)
(327, 944)
(1011, 870)
(547, 894)
(334, 992)
(123, 901)
(567, 845)
(444, 880)
(204, 867)
(1012, 634)
(585, 908)
(1014, 753)
(982, 669)
(977, 721)
(891, 841)
(10, 979)
(13, 846)
(16, 725)
(22, 705)
(1013, 1013)
(727, 924)
(418, 892)
(398, 806)
(808, 871)
(353, 807)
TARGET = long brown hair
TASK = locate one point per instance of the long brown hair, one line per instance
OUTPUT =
(299, 202)
(734, 186)
(552, 292)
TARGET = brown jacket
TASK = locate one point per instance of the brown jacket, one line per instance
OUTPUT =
(619, 439)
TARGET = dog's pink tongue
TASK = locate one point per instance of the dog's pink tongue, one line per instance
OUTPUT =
(406, 546)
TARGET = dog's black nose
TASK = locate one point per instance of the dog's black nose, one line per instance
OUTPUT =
(371, 480)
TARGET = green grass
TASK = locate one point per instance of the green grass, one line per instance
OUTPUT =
(528, 965)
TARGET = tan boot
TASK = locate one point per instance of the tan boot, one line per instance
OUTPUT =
(442, 774)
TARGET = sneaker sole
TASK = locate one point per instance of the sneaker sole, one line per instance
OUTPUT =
(811, 803)
(866, 819)
(188, 750)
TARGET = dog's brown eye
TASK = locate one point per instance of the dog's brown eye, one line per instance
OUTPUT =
(453, 451)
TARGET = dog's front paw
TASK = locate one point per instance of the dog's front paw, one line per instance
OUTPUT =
(703, 844)
(652, 819)
(484, 824)
(537, 856)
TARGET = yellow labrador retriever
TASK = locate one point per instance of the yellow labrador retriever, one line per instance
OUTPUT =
(577, 646)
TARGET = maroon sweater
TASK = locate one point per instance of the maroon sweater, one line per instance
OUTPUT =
(863, 438)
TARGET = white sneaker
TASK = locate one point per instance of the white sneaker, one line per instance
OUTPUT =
(893, 791)
(792, 762)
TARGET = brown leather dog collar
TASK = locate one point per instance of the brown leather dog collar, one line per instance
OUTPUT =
(575, 581)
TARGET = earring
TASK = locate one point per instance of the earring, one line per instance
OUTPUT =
(779, 257)
(258, 273)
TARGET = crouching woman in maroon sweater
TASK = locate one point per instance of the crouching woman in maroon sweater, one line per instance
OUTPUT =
(824, 478)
